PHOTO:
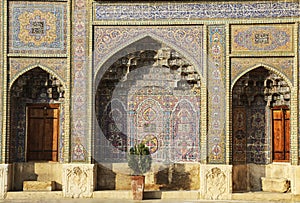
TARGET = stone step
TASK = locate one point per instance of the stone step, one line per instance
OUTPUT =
(275, 184)
(34, 195)
(38, 185)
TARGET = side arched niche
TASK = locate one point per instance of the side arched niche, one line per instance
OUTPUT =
(34, 87)
(260, 109)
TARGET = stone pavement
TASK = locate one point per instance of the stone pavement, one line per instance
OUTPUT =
(132, 201)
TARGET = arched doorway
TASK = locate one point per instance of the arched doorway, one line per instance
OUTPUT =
(260, 126)
(150, 96)
(35, 117)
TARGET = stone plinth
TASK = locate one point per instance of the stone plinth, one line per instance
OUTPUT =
(216, 182)
(79, 180)
(38, 185)
(275, 184)
(5, 180)
(295, 181)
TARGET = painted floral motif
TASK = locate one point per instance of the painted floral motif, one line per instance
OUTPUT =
(151, 142)
(216, 86)
(37, 28)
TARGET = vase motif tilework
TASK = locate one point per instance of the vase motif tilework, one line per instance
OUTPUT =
(79, 123)
(216, 94)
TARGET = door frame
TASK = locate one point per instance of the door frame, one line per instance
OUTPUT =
(42, 105)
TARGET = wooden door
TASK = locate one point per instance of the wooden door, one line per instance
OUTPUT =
(281, 134)
(42, 132)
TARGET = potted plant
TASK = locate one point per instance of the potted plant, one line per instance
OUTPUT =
(139, 160)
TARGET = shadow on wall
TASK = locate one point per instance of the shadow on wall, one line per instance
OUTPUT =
(23, 172)
(106, 178)
(247, 177)
(174, 178)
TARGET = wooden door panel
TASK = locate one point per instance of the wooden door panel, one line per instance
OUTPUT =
(35, 134)
(287, 134)
(42, 132)
(281, 134)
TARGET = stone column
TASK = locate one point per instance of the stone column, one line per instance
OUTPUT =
(79, 180)
(216, 182)
(5, 179)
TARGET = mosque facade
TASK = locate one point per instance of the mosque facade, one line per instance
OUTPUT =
(211, 87)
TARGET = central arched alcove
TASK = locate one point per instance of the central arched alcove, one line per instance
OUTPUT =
(150, 96)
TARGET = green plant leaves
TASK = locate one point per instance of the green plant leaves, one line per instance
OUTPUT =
(139, 159)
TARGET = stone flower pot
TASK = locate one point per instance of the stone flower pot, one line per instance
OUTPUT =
(137, 186)
(139, 160)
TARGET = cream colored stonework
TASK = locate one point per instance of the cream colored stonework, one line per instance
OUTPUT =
(38, 185)
(216, 182)
(5, 170)
(78, 180)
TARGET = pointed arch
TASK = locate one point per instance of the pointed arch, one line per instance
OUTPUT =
(186, 101)
(184, 132)
(45, 68)
(267, 67)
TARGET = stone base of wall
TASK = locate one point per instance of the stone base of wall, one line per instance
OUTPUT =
(209, 182)
(43, 172)
(247, 177)
(179, 176)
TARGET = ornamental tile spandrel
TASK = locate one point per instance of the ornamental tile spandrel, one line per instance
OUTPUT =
(186, 39)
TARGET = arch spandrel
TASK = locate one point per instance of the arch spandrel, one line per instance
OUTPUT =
(281, 66)
(113, 43)
(56, 67)
(17, 74)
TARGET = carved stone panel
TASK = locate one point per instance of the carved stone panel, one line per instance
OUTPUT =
(78, 180)
(216, 182)
(4, 180)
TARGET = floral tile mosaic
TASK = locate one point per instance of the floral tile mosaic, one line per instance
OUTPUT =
(37, 28)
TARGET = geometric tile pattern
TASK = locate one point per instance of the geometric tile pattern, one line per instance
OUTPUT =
(184, 39)
(216, 94)
(173, 11)
(37, 28)
(257, 39)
